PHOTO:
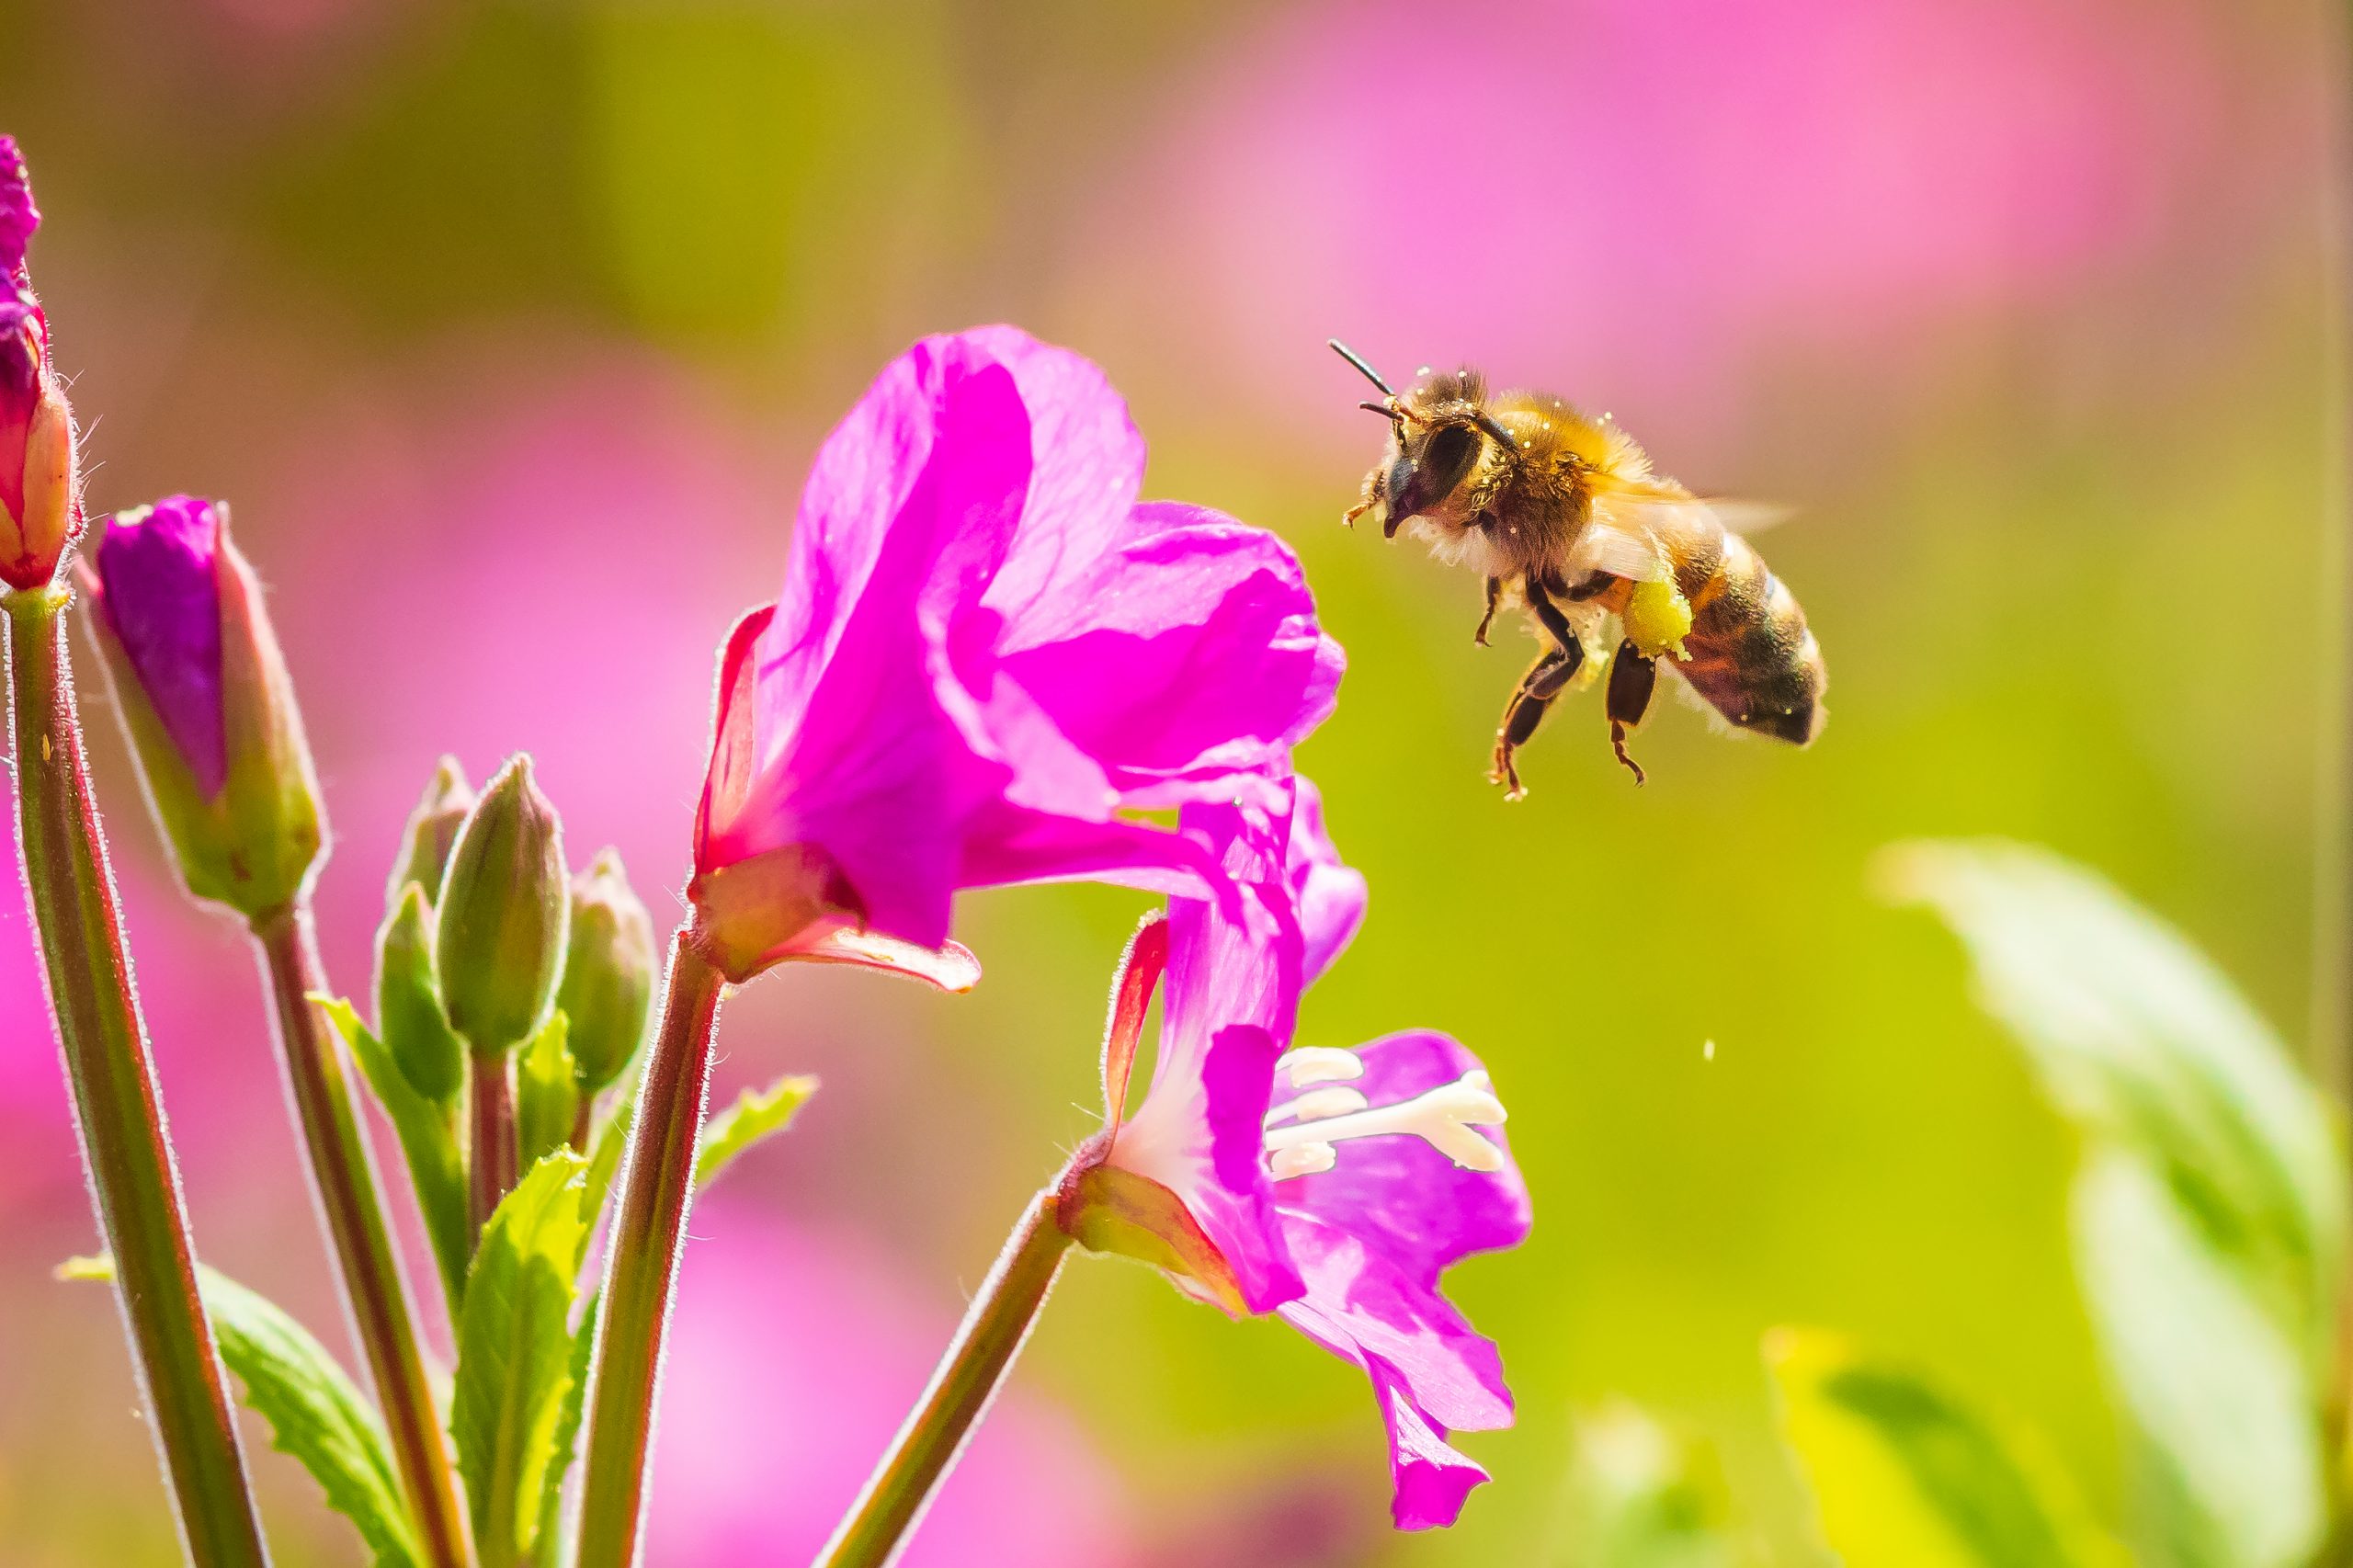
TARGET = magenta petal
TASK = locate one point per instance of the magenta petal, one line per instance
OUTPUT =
(1418, 1209)
(1009, 842)
(1430, 1478)
(19, 216)
(910, 501)
(1361, 1306)
(1200, 1139)
(1330, 893)
(1230, 994)
(159, 589)
(1431, 1372)
(1088, 466)
(1187, 653)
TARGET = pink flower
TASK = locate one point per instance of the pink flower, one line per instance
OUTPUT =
(1332, 1187)
(988, 657)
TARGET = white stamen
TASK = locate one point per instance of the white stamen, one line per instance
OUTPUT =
(1319, 1065)
(1305, 1159)
(1317, 1104)
(1443, 1117)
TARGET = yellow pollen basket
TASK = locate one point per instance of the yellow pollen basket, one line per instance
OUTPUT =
(1657, 618)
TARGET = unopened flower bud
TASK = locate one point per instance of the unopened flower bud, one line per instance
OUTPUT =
(39, 510)
(608, 966)
(408, 1003)
(504, 904)
(431, 834)
(204, 694)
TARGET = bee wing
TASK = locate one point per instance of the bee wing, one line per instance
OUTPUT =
(1746, 518)
(1622, 548)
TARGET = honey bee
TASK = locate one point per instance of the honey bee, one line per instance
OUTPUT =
(1564, 517)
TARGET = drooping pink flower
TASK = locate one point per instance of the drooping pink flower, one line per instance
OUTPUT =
(989, 656)
(1332, 1186)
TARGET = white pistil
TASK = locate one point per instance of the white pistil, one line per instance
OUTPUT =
(1315, 1123)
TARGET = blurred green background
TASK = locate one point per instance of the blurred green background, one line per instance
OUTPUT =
(507, 327)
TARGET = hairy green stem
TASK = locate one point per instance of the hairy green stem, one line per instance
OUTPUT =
(880, 1523)
(118, 1114)
(491, 1156)
(343, 1175)
(641, 1262)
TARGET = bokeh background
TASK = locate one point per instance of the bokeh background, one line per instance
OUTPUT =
(507, 328)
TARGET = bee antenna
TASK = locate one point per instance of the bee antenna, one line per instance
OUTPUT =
(1353, 358)
(1494, 426)
(1383, 409)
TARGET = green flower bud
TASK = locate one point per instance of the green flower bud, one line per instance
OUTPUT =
(607, 989)
(498, 943)
(432, 832)
(204, 694)
(408, 1003)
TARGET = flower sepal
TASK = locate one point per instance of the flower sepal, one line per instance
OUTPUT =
(431, 834)
(1107, 1210)
(205, 694)
(789, 905)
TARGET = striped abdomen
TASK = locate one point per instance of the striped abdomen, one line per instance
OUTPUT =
(1751, 656)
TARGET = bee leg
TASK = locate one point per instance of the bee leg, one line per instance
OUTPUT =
(1495, 597)
(1540, 601)
(1632, 680)
(1348, 518)
(1544, 682)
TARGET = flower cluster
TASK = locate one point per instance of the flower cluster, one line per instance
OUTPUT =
(991, 661)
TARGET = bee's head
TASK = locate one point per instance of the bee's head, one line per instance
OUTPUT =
(1437, 433)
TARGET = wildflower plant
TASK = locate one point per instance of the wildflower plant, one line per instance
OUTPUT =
(991, 661)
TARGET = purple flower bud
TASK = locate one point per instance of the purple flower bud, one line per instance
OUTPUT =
(161, 597)
(39, 512)
(203, 692)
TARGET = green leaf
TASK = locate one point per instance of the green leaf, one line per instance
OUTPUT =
(1641, 1497)
(2227, 1436)
(514, 1354)
(756, 1115)
(408, 1001)
(2144, 1044)
(316, 1412)
(567, 1436)
(547, 1097)
(1907, 1476)
(429, 1137)
(605, 1159)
